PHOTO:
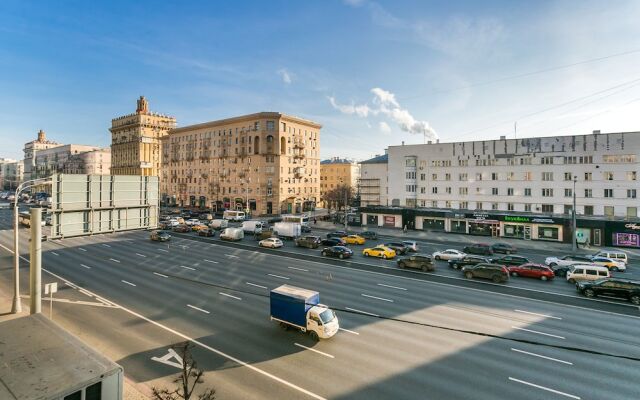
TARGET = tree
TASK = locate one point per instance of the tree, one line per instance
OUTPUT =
(191, 376)
(336, 196)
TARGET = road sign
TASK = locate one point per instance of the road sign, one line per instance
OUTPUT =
(51, 288)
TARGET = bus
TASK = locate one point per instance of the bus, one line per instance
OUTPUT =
(302, 219)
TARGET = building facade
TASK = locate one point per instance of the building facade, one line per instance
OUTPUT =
(11, 173)
(335, 172)
(267, 163)
(374, 178)
(94, 162)
(31, 150)
(136, 141)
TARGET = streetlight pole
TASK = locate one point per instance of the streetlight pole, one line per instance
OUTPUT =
(574, 229)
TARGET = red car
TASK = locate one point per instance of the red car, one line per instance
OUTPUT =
(531, 270)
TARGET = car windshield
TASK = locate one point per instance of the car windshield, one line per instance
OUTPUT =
(327, 316)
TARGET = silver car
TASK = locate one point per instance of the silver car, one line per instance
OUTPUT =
(411, 245)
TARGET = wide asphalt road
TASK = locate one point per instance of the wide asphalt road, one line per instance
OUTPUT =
(403, 337)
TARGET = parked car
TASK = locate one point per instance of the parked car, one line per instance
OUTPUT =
(334, 241)
(497, 273)
(505, 248)
(398, 247)
(164, 226)
(610, 263)
(531, 270)
(510, 260)
(457, 263)
(379, 251)
(449, 254)
(192, 221)
(159, 236)
(311, 242)
(368, 234)
(566, 261)
(207, 232)
(614, 287)
(336, 234)
(337, 251)
(271, 242)
(181, 228)
(353, 239)
(615, 255)
(419, 261)
(305, 229)
(410, 245)
(579, 273)
(479, 248)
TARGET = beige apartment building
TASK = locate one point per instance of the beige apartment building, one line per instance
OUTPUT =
(266, 162)
(338, 171)
(135, 141)
(31, 150)
(94, 162)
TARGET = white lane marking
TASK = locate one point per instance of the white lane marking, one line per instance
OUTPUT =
(347, 330)
(538, 332)
(141, 255)
(129, 283)
(106, 245)
(231, 256)
(71, 285)
(185, 267)
(299, 269)
(166, 251)
(159, 274)
(361, 312)
(253, 284)
(545, 388)
(278, 276)
(392, 287)
(211, 261)
(193, 340)
(376, 297)
(85, 266)
(199, 309)
(81, 249)
(541, 356)
(539, 315)
(314, 350)
(228, 295)
(114, 260)
(54, 253)
(85, 292)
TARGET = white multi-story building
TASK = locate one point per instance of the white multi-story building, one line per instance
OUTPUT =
(373, 181)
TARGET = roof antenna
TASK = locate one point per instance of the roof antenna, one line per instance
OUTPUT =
(515, 130)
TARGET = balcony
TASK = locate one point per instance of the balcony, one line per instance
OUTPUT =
(145, 164)
(298, 143)
(299, 172)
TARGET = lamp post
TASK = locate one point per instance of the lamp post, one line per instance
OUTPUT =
(16, 306)
(573, 222)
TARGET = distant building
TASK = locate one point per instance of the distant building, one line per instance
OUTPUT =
(266, 162)
(374, 181)
(31, 150)
(338, 171)
(11, 173)
(135, 141)
(94, 162)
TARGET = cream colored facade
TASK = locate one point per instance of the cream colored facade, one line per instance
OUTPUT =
(95, 162)
(11, 173)
(31, 150)
(337, 171)
(135, 141)
(266, 162)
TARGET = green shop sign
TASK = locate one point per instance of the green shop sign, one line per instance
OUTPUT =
(509, 218)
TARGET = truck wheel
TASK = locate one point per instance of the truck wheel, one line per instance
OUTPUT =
(571, 280)
(314, 336)
(284, 326)
(468, 275)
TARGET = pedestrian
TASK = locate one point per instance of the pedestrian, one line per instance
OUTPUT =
(405, 229)
(315, 221)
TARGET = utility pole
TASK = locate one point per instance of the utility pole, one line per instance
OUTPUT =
(35, 271)
(574, 231)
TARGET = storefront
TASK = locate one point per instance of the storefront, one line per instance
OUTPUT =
(458, 226)
(623, 233)
(389, 221)
(433, 224)
(517, 227)
(371, 219)
(483, 224)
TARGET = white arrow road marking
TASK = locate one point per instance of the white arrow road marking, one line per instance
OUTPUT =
(166, 359)
(198, 308)
(129, 283)
(231, 256)
(106, 245)
(314, 350)
(54, 253)
(166, 251)
(81, 249)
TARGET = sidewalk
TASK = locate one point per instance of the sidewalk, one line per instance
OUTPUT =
(454, 239)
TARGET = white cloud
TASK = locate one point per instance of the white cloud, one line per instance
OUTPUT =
(285, 75)
(354, 3)
(386, 104)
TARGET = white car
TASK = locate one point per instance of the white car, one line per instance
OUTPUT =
(566, 261)
(192, 221)
(271, 242)
(411, 245)
(173, 222)
(449, 254)
(613, 265)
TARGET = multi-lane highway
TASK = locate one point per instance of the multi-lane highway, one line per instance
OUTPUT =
(404, 334)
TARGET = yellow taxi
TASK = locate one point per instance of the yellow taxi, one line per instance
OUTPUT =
(379, 251)
(353, 239)
(198, 227)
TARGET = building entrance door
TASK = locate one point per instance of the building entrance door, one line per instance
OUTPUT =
(597, 239)
(527, 232)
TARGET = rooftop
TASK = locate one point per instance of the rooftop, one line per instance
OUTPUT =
(260, 115)
(337, 160)
(383, 159)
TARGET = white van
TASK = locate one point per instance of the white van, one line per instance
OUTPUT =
(583, 272)
(233, 215)
(219, 224)
(615, 255)
(253, 226)
(232, 234)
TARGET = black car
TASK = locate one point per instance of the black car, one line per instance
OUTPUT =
(158, 236)
(208, 232)
(419, 261)
(368, 234)
(510, 260)
(182, 228)
(479, 248)
(311, 242)
(497, 273)
(335, 241)
(336, 234)
(305, 229)
(398, 247)
(614, 287)
(467, 260)
(505, 248)
(337, 251)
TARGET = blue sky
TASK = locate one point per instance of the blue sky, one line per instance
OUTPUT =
(373, 73)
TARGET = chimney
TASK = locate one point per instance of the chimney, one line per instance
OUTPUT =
(437, 140)
(41, 136)
(430, 142)
(503, 137)
(596, 132)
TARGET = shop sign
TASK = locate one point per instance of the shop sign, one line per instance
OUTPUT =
(511, 218)
(635, 227)
(626, 239)
(543, 220)
(389, 220)
(478, 216)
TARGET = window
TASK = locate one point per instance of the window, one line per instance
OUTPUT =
(74, 396)
(568, 192)
(271, 125)
(588, 176)
(527, 192)
(463, 190)
(434, 203)
(546, 160)
(479, 205)
(568, 176)
(434, 177)
(494, 176)
(619, 158)
(494, 206)
(447, 177)
(510, 206)
(547, 192)
(464, 205)
(632, 212)
(463, 177)
(423, 177)
(434, 190)
(527, 207)
(631, 175)
(588, 193)
(448, 190)
(478, 176)
(511, 176)
(94, 392)
(631, 193)
(410, 162)
(608, 211)
(568, 208)
(494, 191)
(509, 191)
(608, 193)
(423, 190)
(528, 176)
(588, 210)
(447, 204)
(547, 176)
(410, 188)
(548, 208)
(608, 176)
